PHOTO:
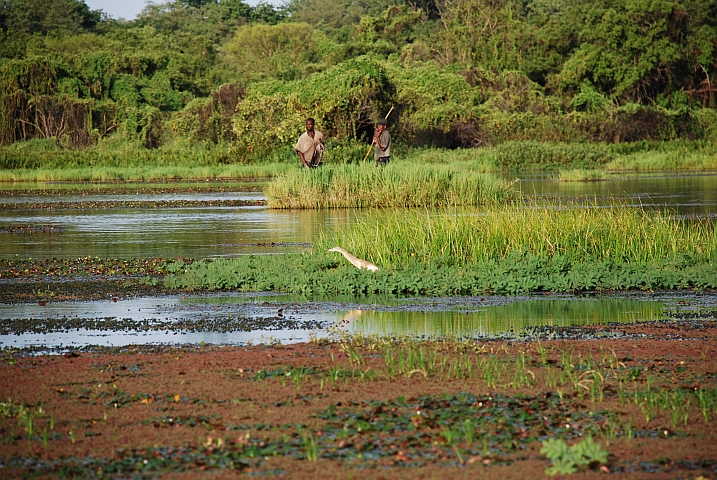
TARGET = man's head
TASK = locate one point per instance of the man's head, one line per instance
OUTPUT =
(309, 124)
(382, 124)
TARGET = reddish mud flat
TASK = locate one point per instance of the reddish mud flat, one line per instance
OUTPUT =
(370, 408)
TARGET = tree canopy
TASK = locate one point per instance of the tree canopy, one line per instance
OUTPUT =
(457, 72)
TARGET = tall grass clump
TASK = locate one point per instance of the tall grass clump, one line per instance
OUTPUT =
(620, 234)
(672, 157)
(595, 158)
(397, 185)
(519, 155)
(478, 159)
(581, 175)
(532, 154)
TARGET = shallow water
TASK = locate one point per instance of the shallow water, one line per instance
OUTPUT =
(219, 231)
(690, 195)
(473, 317)
(192, 232)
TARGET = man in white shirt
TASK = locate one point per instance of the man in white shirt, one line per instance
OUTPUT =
(310, 146)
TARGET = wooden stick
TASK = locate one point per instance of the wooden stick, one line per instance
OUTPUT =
(373, 141)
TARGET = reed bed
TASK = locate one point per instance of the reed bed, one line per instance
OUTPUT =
(121, 160)
(679, 158)
(400, 184)
(581, 175)
(144, 173)
(619, 234)
(679, 155)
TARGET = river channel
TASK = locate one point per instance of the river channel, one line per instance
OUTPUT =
(162, 226)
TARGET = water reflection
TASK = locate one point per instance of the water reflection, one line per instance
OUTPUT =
(503, 319)
(683, 194)
(170, 232)
(408, 317)
(217, 231)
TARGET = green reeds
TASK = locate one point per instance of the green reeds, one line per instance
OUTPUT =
(504, 249)
(400, 184)
(680, 156)
(620, 234)
(581, 175)
(143, 173)
(117, 160)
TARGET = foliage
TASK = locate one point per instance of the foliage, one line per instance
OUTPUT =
(500, 250)
(209, 119)
(459, 73)
(540, 154)
(286, 51)
(433, 101)
(637, 49)
(567, 459)
(618, 234)
(48, 16)
(333, 16)
(515, 274)
(343, 100)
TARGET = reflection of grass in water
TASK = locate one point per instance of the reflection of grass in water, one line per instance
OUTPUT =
(503, 319)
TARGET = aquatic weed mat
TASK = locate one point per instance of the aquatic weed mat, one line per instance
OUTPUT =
(42, 292)
(363, 407)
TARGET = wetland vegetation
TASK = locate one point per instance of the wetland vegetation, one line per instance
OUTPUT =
(399, 185)
(508, 249)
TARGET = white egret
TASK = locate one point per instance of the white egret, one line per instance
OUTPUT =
(357, 262)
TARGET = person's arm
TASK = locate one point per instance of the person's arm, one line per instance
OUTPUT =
(377, 138)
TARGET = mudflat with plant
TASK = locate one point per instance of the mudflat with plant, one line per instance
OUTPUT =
(641, 406)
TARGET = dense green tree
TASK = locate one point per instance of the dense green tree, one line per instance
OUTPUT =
(459, 72)
(639, 50)
(287, 51)
(215, 20)
(335, 17)
(47, 16)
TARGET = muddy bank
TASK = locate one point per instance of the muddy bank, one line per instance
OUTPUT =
(131, 188)
(110, 204)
